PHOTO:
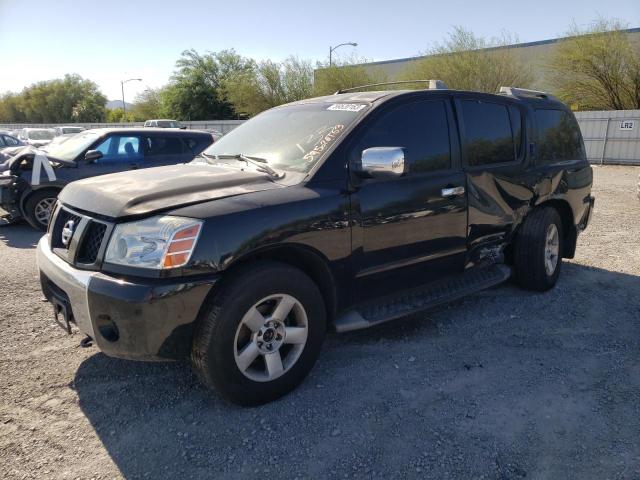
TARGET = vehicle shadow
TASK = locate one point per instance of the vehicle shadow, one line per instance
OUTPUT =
(156, 421)
(19, 235)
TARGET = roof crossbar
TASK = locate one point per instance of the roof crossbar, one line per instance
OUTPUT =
(432, 85)
(523, 92)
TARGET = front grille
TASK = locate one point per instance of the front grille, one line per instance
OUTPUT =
(83, 249)
(90, 246)
(61, 219)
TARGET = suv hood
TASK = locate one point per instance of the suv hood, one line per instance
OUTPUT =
(140, 192)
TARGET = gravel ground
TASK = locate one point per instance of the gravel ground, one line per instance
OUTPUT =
(503, 384)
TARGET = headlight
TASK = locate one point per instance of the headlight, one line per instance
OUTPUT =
(157, 242)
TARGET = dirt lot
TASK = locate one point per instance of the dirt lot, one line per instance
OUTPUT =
(504, 384)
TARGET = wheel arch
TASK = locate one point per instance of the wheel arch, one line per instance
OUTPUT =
(569, 230)
(27, 195)
(306, 259)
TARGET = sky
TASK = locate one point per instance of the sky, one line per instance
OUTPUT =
(109, 41)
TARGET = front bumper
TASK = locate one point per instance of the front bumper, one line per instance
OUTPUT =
(142, 319)
(9, 196)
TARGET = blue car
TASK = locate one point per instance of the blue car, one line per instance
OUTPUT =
(32, 179)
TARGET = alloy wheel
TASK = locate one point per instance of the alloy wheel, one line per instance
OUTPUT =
(43, 209)
(551, 249)
(271, 337)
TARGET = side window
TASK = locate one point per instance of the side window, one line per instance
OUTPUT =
(559, 136)
(420, 127)
(2, 142)
(10, 141)
(120, 149)
(165, 146)
(487, 128)
(197, 145)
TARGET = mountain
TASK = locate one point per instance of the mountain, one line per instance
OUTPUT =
(111, 104)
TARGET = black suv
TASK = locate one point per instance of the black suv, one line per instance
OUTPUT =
(30, 188)
(333, 213)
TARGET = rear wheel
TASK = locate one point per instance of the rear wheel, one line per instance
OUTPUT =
(260, 335)
(38, 208)
(538, 250)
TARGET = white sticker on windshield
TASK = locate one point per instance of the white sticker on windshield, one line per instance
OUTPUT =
(347, 107)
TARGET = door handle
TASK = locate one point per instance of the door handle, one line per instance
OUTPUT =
(452, 192)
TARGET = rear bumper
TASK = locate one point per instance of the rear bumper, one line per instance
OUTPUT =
(147, 319)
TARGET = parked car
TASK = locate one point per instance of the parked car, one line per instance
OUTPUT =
(333, 213)
(164, 123)
(31, 188)
(8, 141)
(37, 137)
(67, 130)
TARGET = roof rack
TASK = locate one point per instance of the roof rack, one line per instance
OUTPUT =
(433, 85)
(523, 92)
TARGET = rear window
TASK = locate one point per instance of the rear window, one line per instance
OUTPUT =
(488, 132)
(559, 136)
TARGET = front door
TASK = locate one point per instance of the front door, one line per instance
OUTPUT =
(119, 153)
(410, 230)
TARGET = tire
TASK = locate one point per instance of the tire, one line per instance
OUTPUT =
(34, 208)
(224, 343)
(536, 266)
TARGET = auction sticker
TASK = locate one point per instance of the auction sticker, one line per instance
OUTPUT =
(347, 107)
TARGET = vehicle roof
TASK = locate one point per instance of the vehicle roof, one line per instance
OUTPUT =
(380, 96)
(147, 130)
(29, 129)
(161, 120)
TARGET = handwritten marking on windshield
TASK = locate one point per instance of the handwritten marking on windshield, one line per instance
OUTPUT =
(324, 143)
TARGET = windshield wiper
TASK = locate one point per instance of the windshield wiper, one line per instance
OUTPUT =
(261, 164)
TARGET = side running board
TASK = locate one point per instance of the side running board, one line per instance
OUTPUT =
(411, 301)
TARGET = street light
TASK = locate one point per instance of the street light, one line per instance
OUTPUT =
(124, 105)
(331, 49)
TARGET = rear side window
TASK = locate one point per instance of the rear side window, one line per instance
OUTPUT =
(197, 144)
(488, 132)
(421, 128)
(559, 136)
(165, 146)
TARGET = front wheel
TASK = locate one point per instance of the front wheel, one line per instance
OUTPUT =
(538, 250)
(260, 335)
(38, 208)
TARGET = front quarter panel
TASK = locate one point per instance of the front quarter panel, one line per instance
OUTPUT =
(314, 218)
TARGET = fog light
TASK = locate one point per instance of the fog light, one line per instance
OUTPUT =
(107, 328)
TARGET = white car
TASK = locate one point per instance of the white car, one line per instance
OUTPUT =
(37, 137)
(163, 123)
(66, 130)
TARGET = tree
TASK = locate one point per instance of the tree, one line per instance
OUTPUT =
(597, 68)
(148, 104)
(345, 73)
(269, 84)
(11, 109)
(117, 115)
(465, 61)
(71, 99)
(195, 90)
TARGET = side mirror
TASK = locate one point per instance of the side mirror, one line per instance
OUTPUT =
(92, 155)
(382, 162)
(182, 127)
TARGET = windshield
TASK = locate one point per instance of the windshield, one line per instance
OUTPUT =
(168, 124)
(72, 147)
(292, 137)
(40, 134)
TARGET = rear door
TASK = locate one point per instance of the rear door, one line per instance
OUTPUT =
(165, 150)
(411, 229)
(493, 136)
